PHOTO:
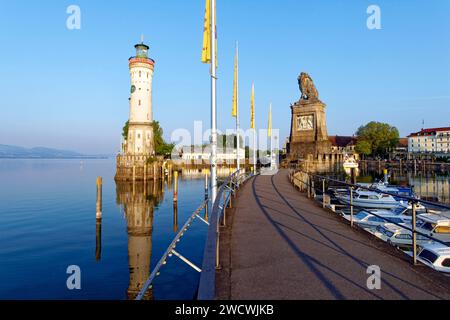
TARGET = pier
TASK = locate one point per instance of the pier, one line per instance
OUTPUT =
(278, 244)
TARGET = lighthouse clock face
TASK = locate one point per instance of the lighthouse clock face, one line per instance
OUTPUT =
(305, 122)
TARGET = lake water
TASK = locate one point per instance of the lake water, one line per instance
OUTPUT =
(47, 223)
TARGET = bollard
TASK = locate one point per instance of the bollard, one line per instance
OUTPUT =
(351, 207)
(99, 198)
(175, 187)
(414, 235)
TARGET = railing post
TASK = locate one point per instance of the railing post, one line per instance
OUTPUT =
(308, 186)
(224, 219)
(206, 186)
(414, 234)
(323, 193)
(313, 189)
(351, 207)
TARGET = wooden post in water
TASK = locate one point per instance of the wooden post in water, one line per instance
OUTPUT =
(134, 173)
(175, 187)
(99, 198)
(98, 216)
(175, 217)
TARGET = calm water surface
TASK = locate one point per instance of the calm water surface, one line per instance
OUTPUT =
(47, 223)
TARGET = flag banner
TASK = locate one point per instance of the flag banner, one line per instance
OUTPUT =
(206, 48)
(252, 108)
(234, 111)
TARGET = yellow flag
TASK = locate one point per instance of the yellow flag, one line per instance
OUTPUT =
(234, 110)
(206, 48)
(252, 108)
(269, 131)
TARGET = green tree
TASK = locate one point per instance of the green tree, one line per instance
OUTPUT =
(376, 138)
(125, 130)
(161, 147)
(363, 147)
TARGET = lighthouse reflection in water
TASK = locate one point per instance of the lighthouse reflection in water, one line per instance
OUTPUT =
(138, 201)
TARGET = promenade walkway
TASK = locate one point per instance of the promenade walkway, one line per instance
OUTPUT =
(282, 245)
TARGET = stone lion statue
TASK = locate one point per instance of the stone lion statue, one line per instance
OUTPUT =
(307, 87)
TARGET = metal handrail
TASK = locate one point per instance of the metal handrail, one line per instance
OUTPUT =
(211, 257)
(171, 250)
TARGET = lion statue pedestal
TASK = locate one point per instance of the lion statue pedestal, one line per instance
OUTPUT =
(309, 136)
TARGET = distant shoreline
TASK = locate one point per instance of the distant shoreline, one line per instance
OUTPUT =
(56, 158)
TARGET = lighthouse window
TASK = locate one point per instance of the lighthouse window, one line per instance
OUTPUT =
(139, 102)
(140, 73)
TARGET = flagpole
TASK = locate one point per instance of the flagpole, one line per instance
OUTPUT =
(271, 140)
(237, 114)
(254, 151)
(213, 105)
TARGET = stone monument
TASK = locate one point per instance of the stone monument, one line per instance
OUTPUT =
(309, 136)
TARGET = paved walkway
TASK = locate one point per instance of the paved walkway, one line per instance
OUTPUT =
(285, 246)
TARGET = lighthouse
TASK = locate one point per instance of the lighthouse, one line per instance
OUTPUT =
(140, 130)
(137, 159)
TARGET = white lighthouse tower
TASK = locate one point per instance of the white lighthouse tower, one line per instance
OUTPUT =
(140, 132)
(133, 163)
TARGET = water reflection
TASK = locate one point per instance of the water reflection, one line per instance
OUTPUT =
(138, 201)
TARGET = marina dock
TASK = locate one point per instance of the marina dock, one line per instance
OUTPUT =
(278, 244)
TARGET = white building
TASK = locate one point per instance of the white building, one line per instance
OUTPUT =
(433, 140)
(200, 155)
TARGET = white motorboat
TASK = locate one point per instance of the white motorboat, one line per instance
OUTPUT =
(369, 199)
(365, 219)
(398, 236)
(436, 256)
(435, 226)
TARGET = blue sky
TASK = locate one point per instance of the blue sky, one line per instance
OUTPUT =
(69, 89)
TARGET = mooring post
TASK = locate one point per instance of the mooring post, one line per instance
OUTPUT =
(98, 240)
(351, 207)
(175, 217)
(414, 235)
(313, 194)
(175, 186)
(99, 198)
(353, 175)
(134, 173)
